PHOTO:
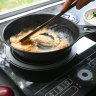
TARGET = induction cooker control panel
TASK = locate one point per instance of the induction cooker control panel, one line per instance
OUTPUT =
(79, 81)
(63, 88)
(83, 77)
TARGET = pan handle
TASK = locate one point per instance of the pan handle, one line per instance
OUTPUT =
(85, 29)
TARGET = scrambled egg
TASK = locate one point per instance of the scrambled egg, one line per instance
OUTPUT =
(48, 39)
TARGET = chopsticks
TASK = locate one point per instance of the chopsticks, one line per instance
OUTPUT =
(53, 19)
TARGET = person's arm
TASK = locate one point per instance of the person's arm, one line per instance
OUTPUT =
(79, 5)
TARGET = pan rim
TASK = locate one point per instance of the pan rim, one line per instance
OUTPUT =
(49, 52)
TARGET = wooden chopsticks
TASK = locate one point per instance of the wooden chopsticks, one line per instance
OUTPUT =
(47, 22)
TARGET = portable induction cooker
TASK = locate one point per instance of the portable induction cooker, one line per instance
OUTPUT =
(77, 78)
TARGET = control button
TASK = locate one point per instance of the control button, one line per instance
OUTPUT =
(85, 74)
(92, 63)
(70, 91)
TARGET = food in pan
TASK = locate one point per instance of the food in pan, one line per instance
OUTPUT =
(44, 40)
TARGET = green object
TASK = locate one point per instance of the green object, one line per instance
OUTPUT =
(94, 14)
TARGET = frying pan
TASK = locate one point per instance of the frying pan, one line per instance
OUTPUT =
(71, 31)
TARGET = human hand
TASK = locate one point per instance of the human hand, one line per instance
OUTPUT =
(79, 5)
